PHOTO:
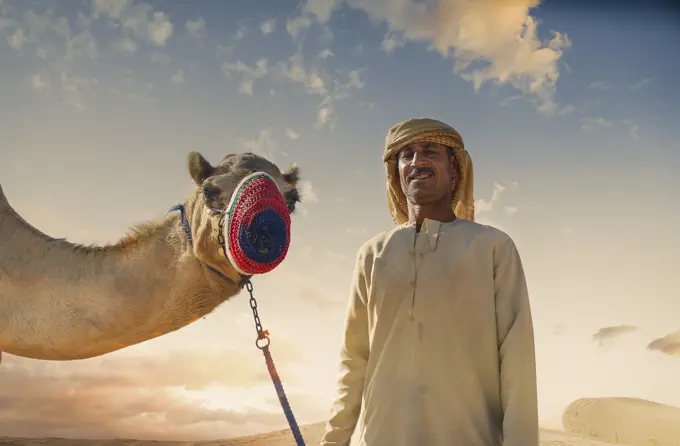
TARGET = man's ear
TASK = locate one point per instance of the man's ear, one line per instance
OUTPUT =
(292, 175)
(199, 168)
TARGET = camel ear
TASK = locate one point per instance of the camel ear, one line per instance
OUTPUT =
(292, 175)
(199, 168)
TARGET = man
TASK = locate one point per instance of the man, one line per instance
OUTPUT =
(438, 345)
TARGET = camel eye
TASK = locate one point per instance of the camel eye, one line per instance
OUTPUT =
(211, 192)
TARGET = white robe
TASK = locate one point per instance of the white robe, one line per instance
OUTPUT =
(438, 346)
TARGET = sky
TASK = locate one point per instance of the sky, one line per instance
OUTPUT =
(569, 113)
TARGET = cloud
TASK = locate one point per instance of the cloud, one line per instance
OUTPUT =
(268, 26)
(17, 39)
(138, 19)
(196, 27)
(511, 210)
(325, 54)
(160, 58)
(391, 42)
(40, 82)
(331, 91)
(356, 230)
(487, 41)
(83, 46)
(608, 334)
(319, 296)
(225, 51)
(308, 195)
(69, 50)
(599, 86)
(322, 9)
(124, 45)
(295, 70)
(633, 129)
(248, 75)
(292, 134)
(130, 396)
(315, 290)
(668, 345)
(263, 144)
(307, 192)
(593, 124)
(485, 206)
(177, 77)
(637, 86)
(323, 117)
(297, 25)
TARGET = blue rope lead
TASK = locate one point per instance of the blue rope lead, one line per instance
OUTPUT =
(295, 429)
(261, 335)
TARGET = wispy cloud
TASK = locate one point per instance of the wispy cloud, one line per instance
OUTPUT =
(307, 192)
(593, 124)
(140, 397)
(246, 75)
(669, 344)
(633, 129)
(263, 144)
(138, 19)
(607, 334)
(391, 42)
(599, 86)
(297, 25)
(325, 54)
(268, 26)
(196, 27)
(69, 49)
(124, 45)
(177, 77)
(637, 86)
(483, 205)
(292, 134)
(40, 82)
(312, 79)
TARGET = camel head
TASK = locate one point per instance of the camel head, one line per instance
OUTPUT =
(216, 185)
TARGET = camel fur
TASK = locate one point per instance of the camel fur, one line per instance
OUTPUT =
(65, 301)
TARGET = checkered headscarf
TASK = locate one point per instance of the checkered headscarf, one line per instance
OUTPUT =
(430, 130)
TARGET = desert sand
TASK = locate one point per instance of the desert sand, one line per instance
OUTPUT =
(587, 422)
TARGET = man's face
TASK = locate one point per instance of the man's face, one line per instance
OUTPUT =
(426, 172)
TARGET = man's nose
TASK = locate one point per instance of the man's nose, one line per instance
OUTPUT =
(418, 159)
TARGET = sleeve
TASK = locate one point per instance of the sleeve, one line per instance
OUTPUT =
(353, 359)
(516, 350)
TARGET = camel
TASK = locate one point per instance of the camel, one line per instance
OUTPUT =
(64, 301)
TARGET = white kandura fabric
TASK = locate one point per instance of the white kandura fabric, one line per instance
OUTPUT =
(438, 346)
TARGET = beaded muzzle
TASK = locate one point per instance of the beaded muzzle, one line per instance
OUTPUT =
(257, 225)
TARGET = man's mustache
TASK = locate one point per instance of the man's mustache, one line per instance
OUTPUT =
(419, 170)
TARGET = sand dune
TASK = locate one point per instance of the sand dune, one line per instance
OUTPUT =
(587, 422)
(627, 421)
(312, 434)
